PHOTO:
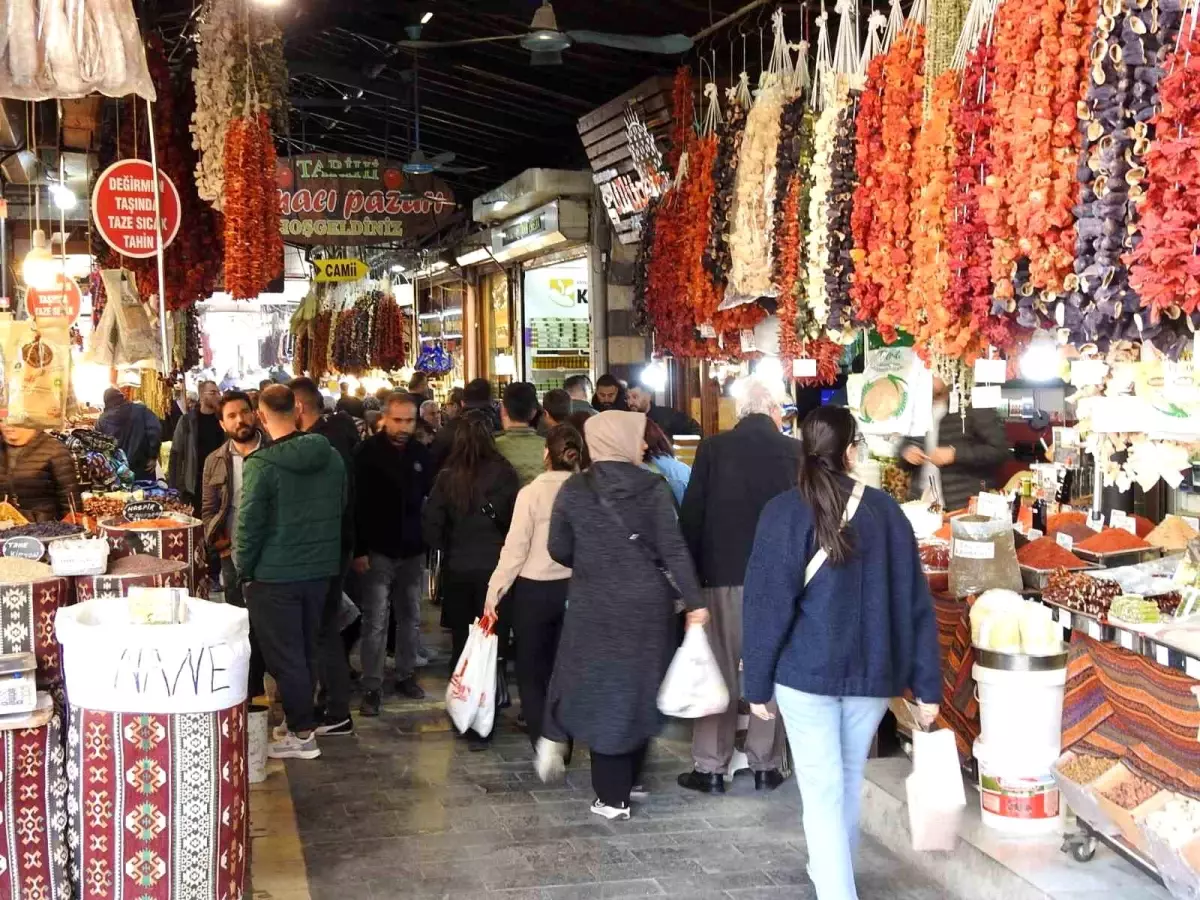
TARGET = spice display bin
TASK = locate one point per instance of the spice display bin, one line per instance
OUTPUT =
(1117, 558)
(34, 858)
(27, 612)
(157, 806)
(1037, 579)
(1127, 820)
(183, 542)
(1081, 799)
(89, 587)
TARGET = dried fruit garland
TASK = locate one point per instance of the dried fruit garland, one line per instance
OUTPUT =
(753, 199)
(699, 291)
(787, 256)
(253, 245)
(828, 355)
(1028, 198)
(729, 143)
(840, 202)
(933, 175)
(1165, 266)
(820, 197)
(865, 291)
(391, 333)
(969, 293)
(791, 124)
(888, 259)
(322, 332)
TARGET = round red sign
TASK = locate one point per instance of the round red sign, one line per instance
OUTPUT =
(62, 301)
(123, 207)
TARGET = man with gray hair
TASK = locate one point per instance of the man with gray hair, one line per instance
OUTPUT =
(736, 473)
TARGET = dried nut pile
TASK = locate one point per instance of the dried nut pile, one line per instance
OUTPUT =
(1177, 822)
(1131, 793)
(1085, 769)
(42, 530)
(895, 482)
(1081, 593)
(144, 564)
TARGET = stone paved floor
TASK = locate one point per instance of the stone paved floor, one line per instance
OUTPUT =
(404, 810)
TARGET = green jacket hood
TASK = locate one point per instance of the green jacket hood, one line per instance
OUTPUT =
(302, 454)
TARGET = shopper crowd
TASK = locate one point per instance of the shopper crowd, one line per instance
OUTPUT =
(574, 525)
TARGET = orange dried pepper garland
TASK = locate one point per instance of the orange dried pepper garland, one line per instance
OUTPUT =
(253, 245)
(889, 258)
(788, 260)
(865, 291)
(933, 175)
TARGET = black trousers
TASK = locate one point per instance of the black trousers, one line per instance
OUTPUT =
(287, 617)
(334, 664)
(233, 596)
(613, 777)
(538, 608)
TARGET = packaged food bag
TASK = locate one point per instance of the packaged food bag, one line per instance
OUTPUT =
(694, 687)
(936, 797)
(983, 556)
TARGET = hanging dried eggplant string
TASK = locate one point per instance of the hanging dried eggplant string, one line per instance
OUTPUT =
(729, 141)
(843, 179)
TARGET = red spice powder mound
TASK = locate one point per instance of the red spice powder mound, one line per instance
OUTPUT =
(1110, 540)
(1059, 521)
(149, 524)
(1077, 531)
(1144, 526)
(1045, 553)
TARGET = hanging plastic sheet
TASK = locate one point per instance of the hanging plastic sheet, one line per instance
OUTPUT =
(71, 48)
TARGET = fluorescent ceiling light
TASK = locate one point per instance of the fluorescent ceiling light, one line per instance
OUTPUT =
(425, 18)
(397, 268)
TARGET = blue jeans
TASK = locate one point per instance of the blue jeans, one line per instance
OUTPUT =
(830, 738)
(393, 584)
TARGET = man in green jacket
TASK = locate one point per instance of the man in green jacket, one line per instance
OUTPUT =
(288, 547)
(520, 443)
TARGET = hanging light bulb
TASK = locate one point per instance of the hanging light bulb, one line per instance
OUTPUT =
(39, 270)
(64, 197)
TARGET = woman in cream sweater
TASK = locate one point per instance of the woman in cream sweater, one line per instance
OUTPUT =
(529, 579)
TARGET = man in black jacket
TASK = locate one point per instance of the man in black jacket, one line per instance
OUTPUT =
(341, 432)
(476, 395)
(735, 475)
(393, 472)
(671, 421)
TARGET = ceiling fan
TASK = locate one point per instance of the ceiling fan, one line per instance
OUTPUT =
(418, 163)
(546, 42)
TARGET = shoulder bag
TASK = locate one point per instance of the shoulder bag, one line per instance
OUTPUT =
(818, 560)
(644, 545)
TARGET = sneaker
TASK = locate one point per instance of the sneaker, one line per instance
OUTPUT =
(549, 763)
(639, 793)
(279, 732)
(370, 704)
(477, 743)
(610, 812)
(294, 747)
(409, 689)
(420, 662)
(336, 728)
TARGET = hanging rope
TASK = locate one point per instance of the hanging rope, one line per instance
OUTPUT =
(823, 78)
(895, 23)
(712, 113)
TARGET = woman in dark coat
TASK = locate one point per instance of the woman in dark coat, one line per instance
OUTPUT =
(467, 518)
(621, 624)
(39, 475)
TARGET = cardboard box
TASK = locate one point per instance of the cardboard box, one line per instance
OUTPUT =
(1127, 819)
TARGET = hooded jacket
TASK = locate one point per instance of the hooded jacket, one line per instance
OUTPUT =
(290, 520)
(136, 430)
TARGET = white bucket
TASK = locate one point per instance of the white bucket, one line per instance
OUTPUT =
(258, 733)
(1017, 793)
(1018, 710)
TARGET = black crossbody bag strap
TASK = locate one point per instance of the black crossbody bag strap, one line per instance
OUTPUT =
(645, 546)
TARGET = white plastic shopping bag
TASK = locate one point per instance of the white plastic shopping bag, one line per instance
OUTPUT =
(694, 687)
(936, 797)
(470, 696)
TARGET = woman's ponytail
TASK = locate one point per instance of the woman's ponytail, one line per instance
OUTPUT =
(827, 433)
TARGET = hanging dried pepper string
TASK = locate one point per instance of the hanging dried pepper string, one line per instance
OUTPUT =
(787, 242)
(889, 258)
(865, 291)
(932, 327)
(1165, 265)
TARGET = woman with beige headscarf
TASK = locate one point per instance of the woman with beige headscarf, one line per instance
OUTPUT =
(615, 528)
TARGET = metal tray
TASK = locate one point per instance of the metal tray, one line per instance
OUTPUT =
(1020, 662)
(1037, 579)
(1116, 558)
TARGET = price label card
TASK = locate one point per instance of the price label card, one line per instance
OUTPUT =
(991, 371)
(1129, 525)
(993, 506)
(140, 510)
(1116, 517)
(1191, 667)
(974, 549)
(1064, 540)
(707, 330)
(1162, 655)
(24, 548)
(804, 368)
(986, 397)
(1191, 522)
(1093, 630)
(1064, 618)
(1087, 372)
(1126, 639)
(747, 340)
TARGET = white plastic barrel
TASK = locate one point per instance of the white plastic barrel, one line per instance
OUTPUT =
(1019, 709)
(258, 734)
(1017, 793)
